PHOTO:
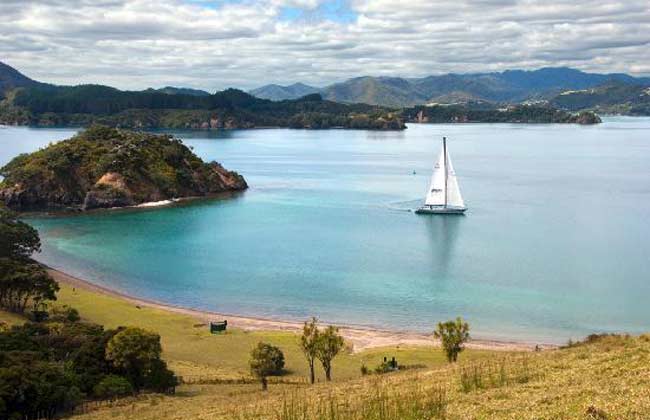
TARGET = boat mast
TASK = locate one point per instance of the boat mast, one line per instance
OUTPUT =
(444, 150)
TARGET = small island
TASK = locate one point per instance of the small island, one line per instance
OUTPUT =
(105, 167)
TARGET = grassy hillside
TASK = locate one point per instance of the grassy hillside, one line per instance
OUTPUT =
(606, 377)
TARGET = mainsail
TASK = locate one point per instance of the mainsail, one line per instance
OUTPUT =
(436, 193)
(443, 189)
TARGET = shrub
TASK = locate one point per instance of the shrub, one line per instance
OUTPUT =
(64, 314)
(364, 370)
(113, 386)
(160, 379)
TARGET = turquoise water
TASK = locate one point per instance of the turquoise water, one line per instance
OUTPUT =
(555, 243)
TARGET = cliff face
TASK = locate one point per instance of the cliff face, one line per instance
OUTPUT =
(104, 167)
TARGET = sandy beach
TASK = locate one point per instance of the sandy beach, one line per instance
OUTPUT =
(361, 338)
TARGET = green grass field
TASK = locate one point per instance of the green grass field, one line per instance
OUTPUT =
(193, 352)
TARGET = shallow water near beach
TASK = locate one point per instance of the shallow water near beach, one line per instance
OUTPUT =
(555, 244)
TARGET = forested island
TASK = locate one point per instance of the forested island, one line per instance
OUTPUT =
(105, 167)
(528, 114)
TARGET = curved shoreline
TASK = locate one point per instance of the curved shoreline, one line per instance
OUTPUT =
(362, 338)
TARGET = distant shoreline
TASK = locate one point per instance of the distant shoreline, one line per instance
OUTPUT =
(362, 338)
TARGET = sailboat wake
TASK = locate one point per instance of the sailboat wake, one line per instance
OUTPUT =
(404, 206)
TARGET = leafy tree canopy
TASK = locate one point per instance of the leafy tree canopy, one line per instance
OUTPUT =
(17, 238)
(453, 335)
(266, 360)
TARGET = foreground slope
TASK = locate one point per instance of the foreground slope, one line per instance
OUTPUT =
(605, 378)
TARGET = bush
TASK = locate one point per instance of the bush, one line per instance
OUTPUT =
(266, 360)
(160, 379)
(113, 386)
(364, 370)
(64, 314)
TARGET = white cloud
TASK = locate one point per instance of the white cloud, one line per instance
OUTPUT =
(215, 44)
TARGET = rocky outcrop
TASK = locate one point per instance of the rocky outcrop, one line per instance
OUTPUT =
(587, 118)
(105, 167)
(109, 191)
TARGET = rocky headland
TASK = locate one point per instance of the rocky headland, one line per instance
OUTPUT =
(105, 167)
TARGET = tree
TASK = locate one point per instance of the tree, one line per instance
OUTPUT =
(159, 378)
(309, 345)
(134, 351)
(453, 335)
(329, 344)
(24, 281)
(266, 360)
(17, 238)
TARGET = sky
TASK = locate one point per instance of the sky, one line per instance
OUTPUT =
(215, 44)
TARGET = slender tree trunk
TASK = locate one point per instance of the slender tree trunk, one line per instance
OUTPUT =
(312, 376)
(265, 383)
(328, 371)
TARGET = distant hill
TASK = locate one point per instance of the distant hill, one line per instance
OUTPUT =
(613, 97)
(388, 91)
(171, 90)
(511, 86)
(10, 78)
(229, 109)
(281, 93)
(28, 102)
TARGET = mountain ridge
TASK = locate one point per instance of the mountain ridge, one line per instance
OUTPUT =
(509, 86)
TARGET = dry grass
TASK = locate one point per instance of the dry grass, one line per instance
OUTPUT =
(607, 378)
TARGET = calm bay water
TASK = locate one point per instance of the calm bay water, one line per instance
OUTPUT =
(555, 243)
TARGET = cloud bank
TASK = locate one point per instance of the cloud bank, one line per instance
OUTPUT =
(133, 44)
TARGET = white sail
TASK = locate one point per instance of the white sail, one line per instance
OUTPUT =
(454, 199)
(436, 192)
(444, 190)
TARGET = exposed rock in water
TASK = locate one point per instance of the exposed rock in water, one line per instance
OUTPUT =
(586, 118)
(104, 167)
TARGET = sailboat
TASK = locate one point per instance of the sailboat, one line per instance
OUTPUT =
(443, 196)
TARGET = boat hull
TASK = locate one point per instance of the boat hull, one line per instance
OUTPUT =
(440, 210)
